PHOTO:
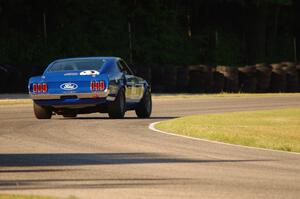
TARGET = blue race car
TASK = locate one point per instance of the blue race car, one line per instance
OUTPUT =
(86, 85)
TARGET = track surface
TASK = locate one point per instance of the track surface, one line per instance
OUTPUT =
(95, 157)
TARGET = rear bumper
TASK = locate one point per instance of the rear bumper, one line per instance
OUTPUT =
(103, 94)
(72, 100)
(72, 103)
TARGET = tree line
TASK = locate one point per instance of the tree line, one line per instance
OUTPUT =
(147, 32)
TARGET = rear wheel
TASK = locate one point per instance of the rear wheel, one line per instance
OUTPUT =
(117, 107)
(42, 112)
(144, 108)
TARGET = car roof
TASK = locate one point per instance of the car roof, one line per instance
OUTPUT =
(108, 61)
(81, 58)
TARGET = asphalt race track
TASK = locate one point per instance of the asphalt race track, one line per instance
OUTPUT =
(95, 157)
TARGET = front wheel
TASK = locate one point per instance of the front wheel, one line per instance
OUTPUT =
(144, 108)
(41, 112)
(117, 108)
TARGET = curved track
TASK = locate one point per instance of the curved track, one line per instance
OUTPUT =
(95, 157)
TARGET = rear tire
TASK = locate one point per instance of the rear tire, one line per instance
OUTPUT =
(41, 112)
(117, 108)
(144, 108)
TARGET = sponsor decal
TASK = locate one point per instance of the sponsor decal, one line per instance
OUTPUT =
(69, 86)
(90, 72)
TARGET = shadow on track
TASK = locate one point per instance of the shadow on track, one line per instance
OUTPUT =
(90, 183)
(74, 159)
(125, 118)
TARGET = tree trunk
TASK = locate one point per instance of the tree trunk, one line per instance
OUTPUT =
(256, 33)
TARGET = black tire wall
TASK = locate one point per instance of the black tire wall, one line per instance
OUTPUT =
(263, 77)
(200, 79)
(231, 76)
(218, 81)
(298, 72)
(170, 79)
(182, 80)
(247, 79)
(278, 78)
(292, 78)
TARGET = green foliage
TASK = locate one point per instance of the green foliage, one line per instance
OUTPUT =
(159, 31)
(229, 50)
(282, 49)
(270, 2)
(159, 38)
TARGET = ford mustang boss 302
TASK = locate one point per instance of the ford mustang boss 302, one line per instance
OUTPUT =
(86, 85)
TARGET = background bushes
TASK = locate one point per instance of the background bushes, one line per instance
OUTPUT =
(155, 36)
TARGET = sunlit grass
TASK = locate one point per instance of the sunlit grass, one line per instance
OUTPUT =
(272, 129)
(15, 196)
(156, 96)
(196, 96)
(15, 101)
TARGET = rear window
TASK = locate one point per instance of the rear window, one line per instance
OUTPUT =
(86, 64)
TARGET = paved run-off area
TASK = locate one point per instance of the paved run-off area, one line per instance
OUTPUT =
(95, 157)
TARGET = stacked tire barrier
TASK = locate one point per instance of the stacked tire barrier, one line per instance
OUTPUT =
(3, 79)
(158, 78)
(292, 78)
(231, 77)
(218, 81)
(200, 78)
(11, 79)
(298, 72)
(247, 79)
(263, 77)
(183, 78)
(170, 79)
(278, 78)
(259, 78)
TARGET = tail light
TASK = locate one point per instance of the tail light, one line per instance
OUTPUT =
(97, 86)
(92, 87)
(45, 87)
(102, 85)
(40, 88)
(35, 88)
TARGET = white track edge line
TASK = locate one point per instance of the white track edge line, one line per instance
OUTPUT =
(152, 127)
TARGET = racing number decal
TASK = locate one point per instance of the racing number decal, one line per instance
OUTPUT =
(133, 90)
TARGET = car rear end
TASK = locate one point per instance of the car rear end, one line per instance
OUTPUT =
(72, 89)
(68, 91)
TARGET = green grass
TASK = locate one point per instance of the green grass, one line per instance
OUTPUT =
(15, 101)
(4, 102)
(200, 96)
(15, 196)
(272, 129)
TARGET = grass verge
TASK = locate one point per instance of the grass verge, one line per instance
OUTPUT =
(15, 101)
(15, 196)
(218, 95)
(271, 129)
(182, 96)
